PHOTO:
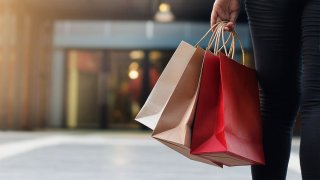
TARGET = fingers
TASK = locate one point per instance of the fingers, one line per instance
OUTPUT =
(225, 13)
(213, 18)
(218, 14)
(229, 26)
(232, 22)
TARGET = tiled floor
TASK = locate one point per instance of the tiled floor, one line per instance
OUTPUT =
(106, 155)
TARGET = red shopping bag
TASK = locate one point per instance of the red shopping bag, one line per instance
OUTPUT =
(227, 126)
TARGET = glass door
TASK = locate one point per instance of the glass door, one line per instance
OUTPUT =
(107, 88)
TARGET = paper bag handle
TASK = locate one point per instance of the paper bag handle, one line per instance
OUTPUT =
(215, 37)
(218, 33)
(212, 29)
(232, 48)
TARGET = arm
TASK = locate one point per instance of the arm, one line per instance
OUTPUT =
(225, 10)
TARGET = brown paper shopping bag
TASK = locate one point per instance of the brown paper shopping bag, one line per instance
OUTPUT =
(153, 108)
(169, 109)
(174, 125)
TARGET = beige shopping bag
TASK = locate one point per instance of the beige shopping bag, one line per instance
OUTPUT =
(169, 109)
(152, 109)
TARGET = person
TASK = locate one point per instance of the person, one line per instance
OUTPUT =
(286, 45)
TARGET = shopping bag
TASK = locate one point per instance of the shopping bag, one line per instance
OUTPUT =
(169, 109)
(227, 126)
(157, 100)
(151, 111)
(174, 126)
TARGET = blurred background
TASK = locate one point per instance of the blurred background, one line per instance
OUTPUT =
(74, 74)
(90, 64)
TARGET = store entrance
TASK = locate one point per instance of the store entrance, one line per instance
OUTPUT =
(106, 89)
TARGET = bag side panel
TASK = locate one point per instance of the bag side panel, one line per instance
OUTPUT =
(243, 130)
(174, 123)
(167, 82)
(208, 125)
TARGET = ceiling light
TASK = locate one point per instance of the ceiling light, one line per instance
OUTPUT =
(164, 13)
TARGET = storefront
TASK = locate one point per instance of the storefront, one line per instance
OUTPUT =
(103, 71)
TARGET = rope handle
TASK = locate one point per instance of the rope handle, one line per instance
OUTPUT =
(210, 30)
(241, 46)
(218, 33)
(215, 37)
(234, 35)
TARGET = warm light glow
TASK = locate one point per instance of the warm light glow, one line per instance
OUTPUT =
(133, 66)
(164, 13)
(164, 7)
(136, 55)
(133, 74)
(154, 56)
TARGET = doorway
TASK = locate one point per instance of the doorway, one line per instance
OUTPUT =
(106, 88)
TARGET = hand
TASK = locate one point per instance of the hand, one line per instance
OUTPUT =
(225, 10)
